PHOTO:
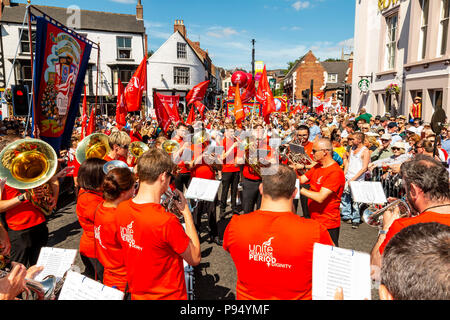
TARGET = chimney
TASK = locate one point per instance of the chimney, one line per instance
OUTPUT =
(179, 26)
(139, 11)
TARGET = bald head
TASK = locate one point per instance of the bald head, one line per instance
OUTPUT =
(323, 144)
(323, 151)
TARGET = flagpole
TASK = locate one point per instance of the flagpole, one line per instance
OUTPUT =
(35, 131)
(96, 88)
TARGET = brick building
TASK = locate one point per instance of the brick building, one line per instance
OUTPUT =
(329, 77)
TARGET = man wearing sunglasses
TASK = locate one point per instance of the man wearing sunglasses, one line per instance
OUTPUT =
(118, 143)
(384, 151)
(327, 183)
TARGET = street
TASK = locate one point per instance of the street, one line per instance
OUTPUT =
(215, 277)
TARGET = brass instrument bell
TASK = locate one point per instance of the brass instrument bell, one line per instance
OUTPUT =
(170, 146)
(137, 148)
(27, 163)
(95, 145)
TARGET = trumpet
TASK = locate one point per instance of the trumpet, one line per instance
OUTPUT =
(47, 289)
(168, 202)
(374, 217)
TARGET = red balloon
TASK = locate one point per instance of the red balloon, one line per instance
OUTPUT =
(239, 77)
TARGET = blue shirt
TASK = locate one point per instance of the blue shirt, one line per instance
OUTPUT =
(313, 132)
(446, 145)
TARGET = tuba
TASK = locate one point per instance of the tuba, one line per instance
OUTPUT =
(95, 145)
(170, 146)
(27, 164)
(137, 148)
(374, 217)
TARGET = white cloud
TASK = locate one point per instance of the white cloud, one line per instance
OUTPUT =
(299, 5)
(219, 32)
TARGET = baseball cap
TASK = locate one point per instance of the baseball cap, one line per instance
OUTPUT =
(383, 119)
(386, 136)
(378, 117)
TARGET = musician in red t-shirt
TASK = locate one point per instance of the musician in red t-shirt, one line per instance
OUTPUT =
(153, 240)
(135, 133)
(119, 141)
(426, 184)
(90, 180)
(118, 186)
(327, 183)
(230, 171)
(272, 248)
(183, 176)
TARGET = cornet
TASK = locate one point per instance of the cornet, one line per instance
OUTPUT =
(169, 203)
(374, 217)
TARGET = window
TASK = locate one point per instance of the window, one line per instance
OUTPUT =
(124, 73)
(24, 41)
(391, 41)
(26, 75)
(443, 27)
(332, 78)
(181, 76)
(425, 4)
(181, 50)
(436, 95)
(123, 48)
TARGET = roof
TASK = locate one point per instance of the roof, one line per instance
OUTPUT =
(336, 67)
(90, 20)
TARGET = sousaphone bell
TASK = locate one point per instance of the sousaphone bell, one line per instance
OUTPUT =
(95, 145)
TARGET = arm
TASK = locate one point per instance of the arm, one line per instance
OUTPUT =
(319, 197)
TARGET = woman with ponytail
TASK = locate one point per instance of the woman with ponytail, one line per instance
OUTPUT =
(118, 186)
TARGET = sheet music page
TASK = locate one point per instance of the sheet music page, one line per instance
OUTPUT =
(335, 267)
(56, 262)
(79, 287)
(368, 192)
(297, 185)
(202, 189)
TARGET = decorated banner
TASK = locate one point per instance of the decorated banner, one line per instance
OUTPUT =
(259, 67)
(281, 104)
(172, 102)
(61, 60)
(248, 106)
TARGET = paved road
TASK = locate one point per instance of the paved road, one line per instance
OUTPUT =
(215, 277)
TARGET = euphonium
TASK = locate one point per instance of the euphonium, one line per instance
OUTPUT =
(95, 145)
(137, 148)
(374, 217)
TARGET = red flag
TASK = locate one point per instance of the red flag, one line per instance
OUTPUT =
(84, 116)
(91, 126)
(249, 92)
(137, 84)
(121, 109)
(238, 108)
(231, 93)
(200, 107)
(197, 93)
(170, 104)
(265, 97)
(161, 113)
(191, 116)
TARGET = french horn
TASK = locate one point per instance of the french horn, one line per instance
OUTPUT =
(137, 148)
(28, 163)
(95, 145)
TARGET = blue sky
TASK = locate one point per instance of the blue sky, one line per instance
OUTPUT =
(284, 30)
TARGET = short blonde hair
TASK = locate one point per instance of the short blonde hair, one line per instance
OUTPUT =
(120, 138)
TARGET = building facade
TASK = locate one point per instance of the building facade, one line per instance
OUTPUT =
(404, 44)
(121, 37)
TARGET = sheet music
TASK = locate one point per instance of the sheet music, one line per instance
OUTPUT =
(56, 262)
(335, 267)
(368, 192)
(202, 189)
(297, 185)
(79, 287)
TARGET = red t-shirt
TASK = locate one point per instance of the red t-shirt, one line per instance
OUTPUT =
(24, 215)
(201, 170)
(107, 158)
(273, 254)
(181, 164)
(248, 172)
(308, 149)
(332, 178)
(229, 163)
(135, 136)
(87, 204)
(401, 223)
(152, 240)
(108, 249)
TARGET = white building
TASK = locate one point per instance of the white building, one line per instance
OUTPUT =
(402, 42)
(121, 37)
(178, 65)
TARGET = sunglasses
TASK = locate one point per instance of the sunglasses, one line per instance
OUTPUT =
(123, 146)
(314, 151)
(395, 149)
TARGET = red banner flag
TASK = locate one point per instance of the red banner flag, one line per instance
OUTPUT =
(249, 92)
(238, 108)
(200, 107)
(84, 116)
(91, 125)
(191, 117)
(171, 106)
(136, 86)
(265, 97)
(197, 93)
(121, 108)
(161, 113)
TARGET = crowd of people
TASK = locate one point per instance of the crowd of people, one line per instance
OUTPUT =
(133, 243)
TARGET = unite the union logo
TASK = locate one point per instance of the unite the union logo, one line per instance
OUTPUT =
(264, 253)
(126, 233)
